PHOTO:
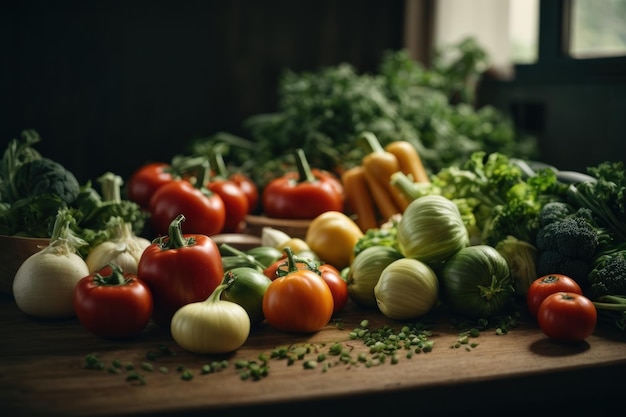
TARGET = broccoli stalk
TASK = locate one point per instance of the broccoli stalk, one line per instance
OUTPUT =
(612, 309)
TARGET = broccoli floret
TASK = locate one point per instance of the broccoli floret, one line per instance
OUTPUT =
(608, 277)
(574, 237)
(554, 262)
(553, 211)
(567, 241)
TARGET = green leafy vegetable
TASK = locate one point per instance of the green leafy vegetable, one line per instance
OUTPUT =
(324, 111)
(605, 197)
(33, 189)
(494, 198)
(44, 176)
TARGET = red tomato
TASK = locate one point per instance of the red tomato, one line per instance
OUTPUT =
(235, 204)
(111, 304)
(547, 285)
(249, 188)
(146, 180)
(302, 194)
(338, 286)
(567, 317)
(300, 301)
(204, 210)
(331, 275)
(272, 271)
(180, 269)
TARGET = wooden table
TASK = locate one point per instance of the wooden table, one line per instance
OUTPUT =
(42, 373)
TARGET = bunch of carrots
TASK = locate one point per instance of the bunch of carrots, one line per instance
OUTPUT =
(370, 196)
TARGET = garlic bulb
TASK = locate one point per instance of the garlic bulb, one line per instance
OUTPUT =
(123, 249)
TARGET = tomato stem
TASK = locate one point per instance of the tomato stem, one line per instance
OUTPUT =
(116, 277)
(217, 162)
(293, 261)
(176, 237)
(304, 169)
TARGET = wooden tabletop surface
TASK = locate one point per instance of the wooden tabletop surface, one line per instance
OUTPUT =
(42, 372)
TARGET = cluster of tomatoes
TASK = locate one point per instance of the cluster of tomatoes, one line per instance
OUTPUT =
(212, 202)
(562, 312)
(292, 293)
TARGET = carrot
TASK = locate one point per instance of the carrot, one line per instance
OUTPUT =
(409, 160)
(359, 198)
(379, 166)
(385, 204)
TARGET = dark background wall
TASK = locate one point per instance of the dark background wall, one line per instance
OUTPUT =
(111, 84)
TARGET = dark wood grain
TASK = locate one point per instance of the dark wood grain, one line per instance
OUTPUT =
(42, 372)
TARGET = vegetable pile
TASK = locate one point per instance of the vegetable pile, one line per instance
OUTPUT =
(34, 188)
(398, 226)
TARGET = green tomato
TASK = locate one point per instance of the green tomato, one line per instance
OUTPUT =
(476, 282)
(246, 286)
(266, 255)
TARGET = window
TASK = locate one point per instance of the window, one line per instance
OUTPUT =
(551, 34)
(597, 28)
(507, 29)
(523, 30)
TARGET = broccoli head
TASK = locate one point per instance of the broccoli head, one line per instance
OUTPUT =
(554, 262)
(608, 277)
(566, 242)
(45, 176)
(553, 211)
(574, 237)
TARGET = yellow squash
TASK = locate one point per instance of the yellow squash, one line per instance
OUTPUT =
(332, 236)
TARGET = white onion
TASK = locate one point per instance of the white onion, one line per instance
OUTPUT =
(44, 284)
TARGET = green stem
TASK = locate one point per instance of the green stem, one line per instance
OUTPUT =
(609, 306)
(293, 261)
(175, 233)
(111, 186)
(611, 302)
(304, 170)
(407, 187)
(204, 174)
(62, 230)
(216, 294)
(238, 253)
(217, 162)
(371, 142)
(185, 164)
(116, 277)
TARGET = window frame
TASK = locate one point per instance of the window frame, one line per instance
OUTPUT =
(553, 59)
